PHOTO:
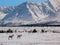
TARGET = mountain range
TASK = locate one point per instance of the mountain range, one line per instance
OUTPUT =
(47, 13)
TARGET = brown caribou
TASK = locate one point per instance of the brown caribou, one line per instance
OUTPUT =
(19, 36)
(10, 36)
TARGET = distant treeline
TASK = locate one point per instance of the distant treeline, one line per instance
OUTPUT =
(47, 24)
(8, 31)
(37, 25)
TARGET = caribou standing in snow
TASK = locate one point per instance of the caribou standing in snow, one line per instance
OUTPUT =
(10, 37)
(19, 36)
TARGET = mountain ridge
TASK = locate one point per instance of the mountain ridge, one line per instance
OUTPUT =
(33, 13)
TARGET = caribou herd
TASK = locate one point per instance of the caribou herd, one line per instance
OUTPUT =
(31, 31)
(11, 36)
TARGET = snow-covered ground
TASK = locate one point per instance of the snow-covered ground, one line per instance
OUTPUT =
(30, 38)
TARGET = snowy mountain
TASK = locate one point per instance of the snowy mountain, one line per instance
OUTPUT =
(5, 10)
(33, 13)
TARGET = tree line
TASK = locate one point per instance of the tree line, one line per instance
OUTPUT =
(8, 31)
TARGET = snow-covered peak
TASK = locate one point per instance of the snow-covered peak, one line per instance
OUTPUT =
(5, 10)
(36, 10)
(33, 12)
(56, 4)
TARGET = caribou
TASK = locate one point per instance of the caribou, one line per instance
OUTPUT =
(10, 36)
(19, 36)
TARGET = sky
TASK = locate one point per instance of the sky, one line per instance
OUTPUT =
(15, 2)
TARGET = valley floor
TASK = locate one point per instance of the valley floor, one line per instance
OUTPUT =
(25, 38)
(31, 39)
